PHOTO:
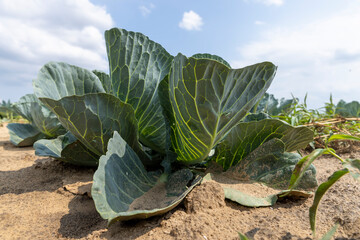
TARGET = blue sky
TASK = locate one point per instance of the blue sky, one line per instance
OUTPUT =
(315, 44)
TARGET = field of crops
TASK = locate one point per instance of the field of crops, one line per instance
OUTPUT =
(175, 147)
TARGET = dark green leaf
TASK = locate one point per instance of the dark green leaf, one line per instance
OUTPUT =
(124, 190)
(207, 100)
(23, 106)
(137, 65)
(66, 148)
(105, 80)
(211, 57)
(247, 136)
(30, 107)
(57, 80)
(262, 177)
(93, 118)
(23, 135)
(269, 164)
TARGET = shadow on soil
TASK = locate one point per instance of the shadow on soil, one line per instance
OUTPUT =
(84, 221)
(82, 218)
(44, 175)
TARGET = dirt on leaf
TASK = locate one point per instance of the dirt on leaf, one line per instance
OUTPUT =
(42, 198)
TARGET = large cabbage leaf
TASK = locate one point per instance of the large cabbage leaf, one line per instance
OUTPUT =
(137, 65)
(211, 57)
(41, 120)
(31, 108)
(66, 148)
(259, 165)
(247, 136)
(124, 190)
(105, 80)
(57, 80)
(92, 118)
(204, 100)
(263, 176)
(23, 134)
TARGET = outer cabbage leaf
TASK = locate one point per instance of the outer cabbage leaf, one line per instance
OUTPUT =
(30, 107)
(57, 80)
(211, 57)
(66, 148)
(105, 80)
(93, 118)
(247, 136)
(137, 65)
(23, 135)
(206, 100)
(23, 106)
(263, 176)
(124, 190)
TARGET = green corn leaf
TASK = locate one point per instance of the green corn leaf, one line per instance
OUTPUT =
(343, 137)
(331, 232)
(321, 190)
(243, 237)
(303, 165)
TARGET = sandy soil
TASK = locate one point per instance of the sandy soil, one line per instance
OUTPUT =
(41, 198)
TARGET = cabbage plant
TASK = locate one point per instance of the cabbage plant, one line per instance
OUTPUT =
(156, 117)
(42, 122)
(351, 109)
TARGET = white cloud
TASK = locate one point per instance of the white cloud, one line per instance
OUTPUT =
(191, 21)
(146, 10)
(318, 58)
(34, 32)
